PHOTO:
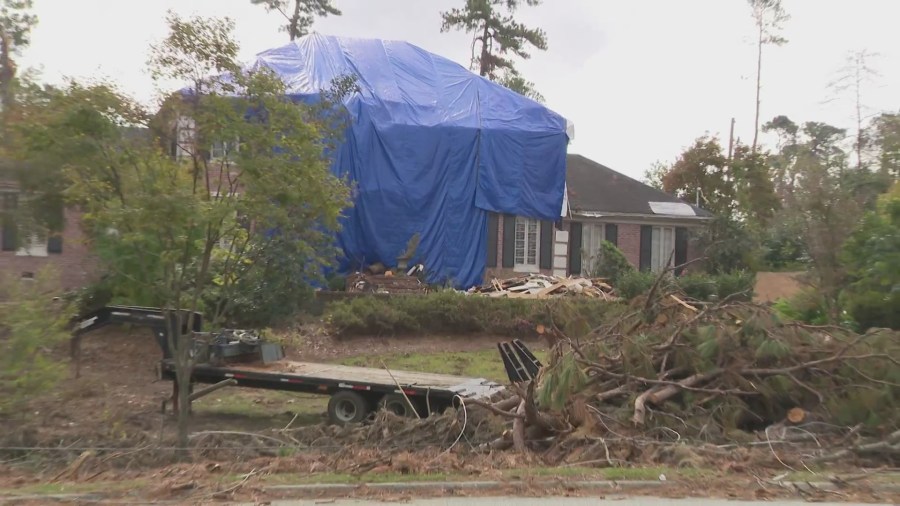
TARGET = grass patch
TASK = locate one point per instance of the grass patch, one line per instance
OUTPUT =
(263, 404)
(453, 313)
(479, 364)
(74, 488)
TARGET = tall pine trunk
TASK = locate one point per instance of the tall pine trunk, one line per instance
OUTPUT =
(759, 47)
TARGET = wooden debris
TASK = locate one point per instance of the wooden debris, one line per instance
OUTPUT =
(385, 283)
(539, 286)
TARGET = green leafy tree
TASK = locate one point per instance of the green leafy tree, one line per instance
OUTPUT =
(738, 192)
(768, 16)
(872, 258)
(31, 323)
(497, 36)
(886, 140)
(16, 24)
(822, 200)
(226, 169)
(700, 175)
(299, 14)
(655, 174)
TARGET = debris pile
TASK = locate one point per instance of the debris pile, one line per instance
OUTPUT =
(671, 369)
(539, 286)
(384, 283)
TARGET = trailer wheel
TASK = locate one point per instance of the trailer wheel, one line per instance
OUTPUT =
(348, 407)
(398, 405)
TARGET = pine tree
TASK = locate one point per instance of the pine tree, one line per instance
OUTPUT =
(497, 37)
(301, 16)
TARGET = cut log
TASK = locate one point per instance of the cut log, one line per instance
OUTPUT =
(796, 415)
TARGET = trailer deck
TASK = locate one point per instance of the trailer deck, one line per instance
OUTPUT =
(238, 358)
(439, 389)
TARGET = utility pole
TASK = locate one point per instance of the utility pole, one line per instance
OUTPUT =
(731, 142)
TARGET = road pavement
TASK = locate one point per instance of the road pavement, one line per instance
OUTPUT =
(562, 501)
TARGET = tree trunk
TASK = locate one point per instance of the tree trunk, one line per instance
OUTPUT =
(485, 70)
(7, 72)
(183, 379)
(859, 119)
(294, 23)
(759, 47)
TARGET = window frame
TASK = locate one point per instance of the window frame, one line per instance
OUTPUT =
(660, 255)
(525, 265)
(588, 255)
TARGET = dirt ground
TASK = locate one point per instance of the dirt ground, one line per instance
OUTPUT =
(104, 433)
(771, 286)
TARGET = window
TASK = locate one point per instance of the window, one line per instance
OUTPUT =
(591, 238)
(223, 149)
(8, 203)
(184, 137)
(662, 252)
(527, 253)
(35, 247)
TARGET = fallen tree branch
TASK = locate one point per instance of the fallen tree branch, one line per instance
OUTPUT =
(890, 444)
(495, 410)
(658, 395)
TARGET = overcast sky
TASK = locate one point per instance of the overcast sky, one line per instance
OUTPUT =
(641, 79)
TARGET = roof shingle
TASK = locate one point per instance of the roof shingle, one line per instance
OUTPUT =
(597, 188)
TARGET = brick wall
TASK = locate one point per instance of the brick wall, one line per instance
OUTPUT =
(74, 265)
(630, 242)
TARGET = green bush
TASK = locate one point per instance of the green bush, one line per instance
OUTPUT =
(610, 263)
(31, 323)
(634, 283)
(699, 286)
(807, 306)
(450, 313)
(874, 309)
(734, 283)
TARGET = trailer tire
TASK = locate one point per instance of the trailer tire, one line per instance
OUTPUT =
(348, 407)
(398, 405)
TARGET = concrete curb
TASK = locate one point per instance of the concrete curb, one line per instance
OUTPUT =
(440, 486)
(13, 499)
(464, 485)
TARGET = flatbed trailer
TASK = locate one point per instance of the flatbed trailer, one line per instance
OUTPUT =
(356, 392)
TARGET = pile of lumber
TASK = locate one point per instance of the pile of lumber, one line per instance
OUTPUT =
(384, 283)
(539, 286)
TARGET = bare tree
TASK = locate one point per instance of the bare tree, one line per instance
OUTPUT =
(768, 15)
(851, 79)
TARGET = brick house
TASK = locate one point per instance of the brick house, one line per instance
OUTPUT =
(65, 250)
(648, 225)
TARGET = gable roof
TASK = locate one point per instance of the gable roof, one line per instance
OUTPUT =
(595, 188)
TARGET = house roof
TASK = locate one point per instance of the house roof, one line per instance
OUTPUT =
(595, 188)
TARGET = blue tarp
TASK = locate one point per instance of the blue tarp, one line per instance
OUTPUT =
(431, 147)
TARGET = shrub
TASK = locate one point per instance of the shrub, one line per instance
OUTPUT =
(31, 322)
(734, 283)
(610, 263)
(449, 312)
(807, 306)
(634, 283)
(698, 286)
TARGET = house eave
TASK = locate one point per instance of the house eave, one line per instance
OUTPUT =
(639, 216)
